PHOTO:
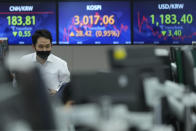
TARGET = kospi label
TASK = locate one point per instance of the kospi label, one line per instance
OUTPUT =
(93, 7)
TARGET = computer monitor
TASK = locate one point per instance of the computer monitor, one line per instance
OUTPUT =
(20, 19)
(3, 46)
(132, 56)
(142, 59)
(121, 87)
(38, 109)
(188, 68)
(170, 22)
(94, 22)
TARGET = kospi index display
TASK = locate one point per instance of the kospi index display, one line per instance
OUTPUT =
(19, 21)
(160, 22)
(99, 22)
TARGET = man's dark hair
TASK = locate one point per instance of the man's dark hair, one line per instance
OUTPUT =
(41, 33)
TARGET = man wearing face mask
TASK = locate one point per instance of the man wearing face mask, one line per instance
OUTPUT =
(55, 70)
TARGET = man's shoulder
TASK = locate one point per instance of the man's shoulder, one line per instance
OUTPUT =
(58, 59)
(28, 56)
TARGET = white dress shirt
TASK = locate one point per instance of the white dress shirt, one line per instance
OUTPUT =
(54, 71)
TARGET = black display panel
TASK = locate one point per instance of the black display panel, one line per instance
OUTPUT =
(164, 22)
(18, 21)
(95, 22)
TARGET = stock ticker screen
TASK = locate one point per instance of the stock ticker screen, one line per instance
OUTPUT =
(95, 22)
(164, 22)
(18, 21)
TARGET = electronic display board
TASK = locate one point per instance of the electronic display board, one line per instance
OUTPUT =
(95, 22)
(18, 21)
(164, 22)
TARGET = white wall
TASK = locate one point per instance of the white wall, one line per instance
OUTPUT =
(79, 58)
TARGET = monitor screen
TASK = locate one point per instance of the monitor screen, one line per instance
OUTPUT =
(3, 46)
(164, 22)
(18, 21)
(95, 22)
(188, 67)
(146, 62)
(122, 87)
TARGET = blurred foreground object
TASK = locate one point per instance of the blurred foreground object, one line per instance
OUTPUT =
(31, 99)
